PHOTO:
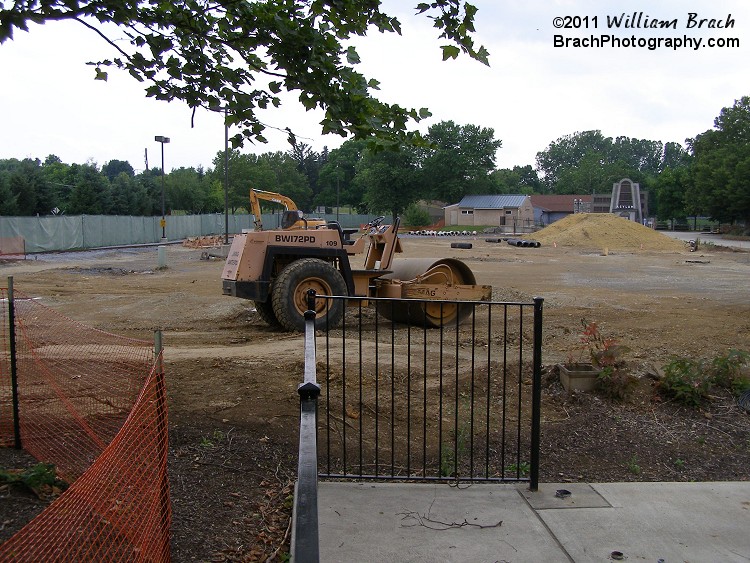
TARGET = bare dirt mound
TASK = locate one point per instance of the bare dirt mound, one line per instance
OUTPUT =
(605, 231)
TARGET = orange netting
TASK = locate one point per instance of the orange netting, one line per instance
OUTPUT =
(93, 404)
(6, 405)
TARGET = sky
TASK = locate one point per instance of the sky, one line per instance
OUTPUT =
(533, 92)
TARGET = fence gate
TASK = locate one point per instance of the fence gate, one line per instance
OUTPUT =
(456, 403)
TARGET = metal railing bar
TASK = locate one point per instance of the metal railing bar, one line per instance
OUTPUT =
(393, 396)
(505, 388)
(424, 395)
(343, 391)
(536, 398)
(520, 393)
(456, 407)
(440, 402)
(305, 537)
(489, 395)
(473, 389)
(377, 387)
(408, 400)
(361, 403)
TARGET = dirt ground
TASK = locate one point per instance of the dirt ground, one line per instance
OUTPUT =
(232, 381)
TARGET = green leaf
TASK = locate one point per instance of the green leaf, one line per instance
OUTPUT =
(351, 56)
(450, 52)
(100, 74)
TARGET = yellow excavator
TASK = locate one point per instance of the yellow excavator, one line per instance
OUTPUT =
(291, 220)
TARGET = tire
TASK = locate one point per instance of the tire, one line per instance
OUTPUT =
(460, 245)
(265, 312)
(289, 294)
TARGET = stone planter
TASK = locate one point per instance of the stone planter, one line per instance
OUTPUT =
(578, 377)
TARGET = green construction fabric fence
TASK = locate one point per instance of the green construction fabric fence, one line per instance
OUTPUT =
(56, 233)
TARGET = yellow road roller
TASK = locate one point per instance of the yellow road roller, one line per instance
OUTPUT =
(277, 268)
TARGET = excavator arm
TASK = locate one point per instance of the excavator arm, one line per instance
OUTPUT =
(292, 218)
(257, 195)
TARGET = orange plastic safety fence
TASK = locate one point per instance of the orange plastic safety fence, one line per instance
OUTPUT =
(119, 509)
(6, 405)
(76, 385)
(94, 405)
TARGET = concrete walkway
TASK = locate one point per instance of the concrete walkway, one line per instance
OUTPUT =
(669, 522)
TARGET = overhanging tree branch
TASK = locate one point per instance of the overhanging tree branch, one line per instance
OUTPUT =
(208, 53)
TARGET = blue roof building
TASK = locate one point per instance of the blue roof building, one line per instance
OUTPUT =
(509, 213)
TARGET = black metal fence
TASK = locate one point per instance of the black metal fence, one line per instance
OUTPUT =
(455, 403)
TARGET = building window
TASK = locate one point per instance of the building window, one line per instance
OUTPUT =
(467, 212)
(509, 212)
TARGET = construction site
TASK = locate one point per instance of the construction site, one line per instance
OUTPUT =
(232, 377)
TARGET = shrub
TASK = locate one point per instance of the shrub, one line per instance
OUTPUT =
(616, 382)
(689, 381)
(727, 371)
(686, 380)
(416, 217)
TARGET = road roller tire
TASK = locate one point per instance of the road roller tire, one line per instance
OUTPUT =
(289, 294)
(265, 312)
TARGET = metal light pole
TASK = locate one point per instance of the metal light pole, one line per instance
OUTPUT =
(161, 139)
(226, 177)
(225, 109)
(337, 194)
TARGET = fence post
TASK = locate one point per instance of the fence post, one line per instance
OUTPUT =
(536, 396)
(13, 364)
(162, 426)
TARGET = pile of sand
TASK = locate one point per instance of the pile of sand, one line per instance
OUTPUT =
(605, 231)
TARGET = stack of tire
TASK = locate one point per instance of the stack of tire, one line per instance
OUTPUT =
(524, 243)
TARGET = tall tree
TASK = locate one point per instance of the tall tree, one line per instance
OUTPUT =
(675, 156)
(187, 190)
(672, 188)
(594, 173)
(57, 175)
(336, 180)
(641, 154)
(567, 152)
(8, 205)
(721, 168)
(518, 180)
(114, 167)
(308, 163)
(389, 180)
(588, 162)
(289, 180)
(91, 192)
(241, 55)
(32, 193)
(458, 160)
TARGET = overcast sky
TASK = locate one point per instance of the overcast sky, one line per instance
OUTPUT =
(532, 94)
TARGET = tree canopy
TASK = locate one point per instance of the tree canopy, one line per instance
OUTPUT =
(721, 171)
(457, 161)
(242, 55)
